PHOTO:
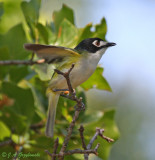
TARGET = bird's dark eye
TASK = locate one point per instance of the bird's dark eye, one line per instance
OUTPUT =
(96, 43)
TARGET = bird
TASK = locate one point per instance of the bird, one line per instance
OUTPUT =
(85, 56)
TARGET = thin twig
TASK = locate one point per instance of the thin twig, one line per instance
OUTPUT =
(107, 138)
(90, 144)
(20, 149)
(23, 62)
(81, 130)
(92, 140)
(79, 151)
(97, 146)
(56, 144)
(100, 133)
(66, 75)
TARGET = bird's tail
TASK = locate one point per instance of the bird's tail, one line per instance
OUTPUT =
(52, 105)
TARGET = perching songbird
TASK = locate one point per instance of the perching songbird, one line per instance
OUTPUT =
(85, 56)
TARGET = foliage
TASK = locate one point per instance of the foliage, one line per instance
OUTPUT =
(23, 100)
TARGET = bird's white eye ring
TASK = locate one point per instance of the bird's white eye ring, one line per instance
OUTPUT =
(96, 43)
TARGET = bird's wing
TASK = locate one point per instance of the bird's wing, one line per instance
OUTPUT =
(51, 53)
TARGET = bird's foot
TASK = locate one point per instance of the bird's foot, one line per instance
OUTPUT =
(66, 92)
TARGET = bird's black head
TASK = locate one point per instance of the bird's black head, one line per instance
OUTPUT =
(92, 45)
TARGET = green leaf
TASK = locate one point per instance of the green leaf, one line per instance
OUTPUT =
(38, 144)
(64, 106)
(31, 13)
(68, 34)
(31, 10)
(12, 14)
(37, 98)
(51, 34)
(23, 99)
(14, 40)
(93, 157)
(96, 80)
(13, 120)
(6, 131)
(43, 32)
(4, 55)
(100, 29)
(44, 71)
(85, 32)
(1, 9)
(64, 13)
(17, 73)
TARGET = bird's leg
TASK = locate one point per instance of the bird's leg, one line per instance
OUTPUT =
(60, 90)
(65, 91)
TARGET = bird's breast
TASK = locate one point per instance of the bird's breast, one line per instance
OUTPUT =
(83, 69)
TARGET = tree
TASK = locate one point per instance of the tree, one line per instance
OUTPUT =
(23, 87)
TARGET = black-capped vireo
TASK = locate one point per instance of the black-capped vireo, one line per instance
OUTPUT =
(85, 56)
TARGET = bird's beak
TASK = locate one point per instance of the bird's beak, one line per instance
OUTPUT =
(110, 44)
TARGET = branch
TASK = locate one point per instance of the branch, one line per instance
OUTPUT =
(75, 151)
(90, 144)
(5, 143)
(79, 105)
(37, 126)
(78, 108)
(23, 62)
(66, 75)
(100, 133)
(69, 132)
(56, 144)
(81, 130)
